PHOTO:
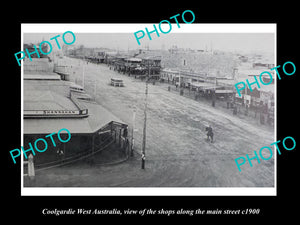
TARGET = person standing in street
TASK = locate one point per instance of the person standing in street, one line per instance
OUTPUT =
(60, 154)
(210, 134)
(31, 172)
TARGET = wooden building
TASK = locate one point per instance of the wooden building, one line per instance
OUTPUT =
(51, 104)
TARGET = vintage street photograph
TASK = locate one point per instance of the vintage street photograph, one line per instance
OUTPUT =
(163, 114)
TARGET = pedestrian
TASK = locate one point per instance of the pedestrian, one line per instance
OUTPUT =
(235, 109)
(247, 109)
(181, 91)
(125, 132)
(31, 172)
(210, 134)
(60, 154)
(262, 118)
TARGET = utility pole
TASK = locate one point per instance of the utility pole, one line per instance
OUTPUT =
(144, 129)
(83, 76)
(95, 90)
(145, 120)
(133, 125)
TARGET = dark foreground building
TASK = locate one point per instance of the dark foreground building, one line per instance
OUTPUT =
(50, 104)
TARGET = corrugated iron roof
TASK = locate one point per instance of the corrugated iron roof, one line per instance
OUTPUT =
(42, 76)
(54, 95)
(99, 117)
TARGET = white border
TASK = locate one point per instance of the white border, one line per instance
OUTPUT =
(22, 110)
(131, 28)
(149, 191)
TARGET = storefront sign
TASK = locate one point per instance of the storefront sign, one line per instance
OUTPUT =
(28, 113)
(60, 112)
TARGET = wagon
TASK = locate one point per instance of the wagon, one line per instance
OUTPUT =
(117, 82)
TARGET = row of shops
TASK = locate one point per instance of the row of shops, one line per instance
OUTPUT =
(199, 82)
(216, 87)
(136, 66)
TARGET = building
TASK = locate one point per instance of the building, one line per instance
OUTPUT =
(152, 65)
(149, 63)
(141, 65)
(262, 95)
(79, 52)
(169, 75)
(30, 48)
(215, 63)
(199, 82)
(133, 66)
(110, 57)
(260, 100)
(51, 104)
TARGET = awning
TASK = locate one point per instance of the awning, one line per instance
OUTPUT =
(46, 76)
(224, 91)
(203, 85)
(134, 60)
(98, 118)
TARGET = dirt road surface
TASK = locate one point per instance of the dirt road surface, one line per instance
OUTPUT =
(177, 154)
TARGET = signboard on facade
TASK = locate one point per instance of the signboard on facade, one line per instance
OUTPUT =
(50, 112)
(60, 112)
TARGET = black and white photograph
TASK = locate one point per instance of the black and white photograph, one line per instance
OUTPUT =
(124, 111)
(162, 114)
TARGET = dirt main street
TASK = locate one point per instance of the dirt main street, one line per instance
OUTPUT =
(177, 153)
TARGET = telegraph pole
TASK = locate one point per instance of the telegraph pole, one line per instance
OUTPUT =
(83, 76)
(144, 130)
(145, 121)
(133, 125)
(95, 90)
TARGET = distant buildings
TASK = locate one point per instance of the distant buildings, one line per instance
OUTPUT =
(208, 72)
(30, 48)
(261, 99)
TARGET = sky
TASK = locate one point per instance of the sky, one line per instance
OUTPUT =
(239, 42)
